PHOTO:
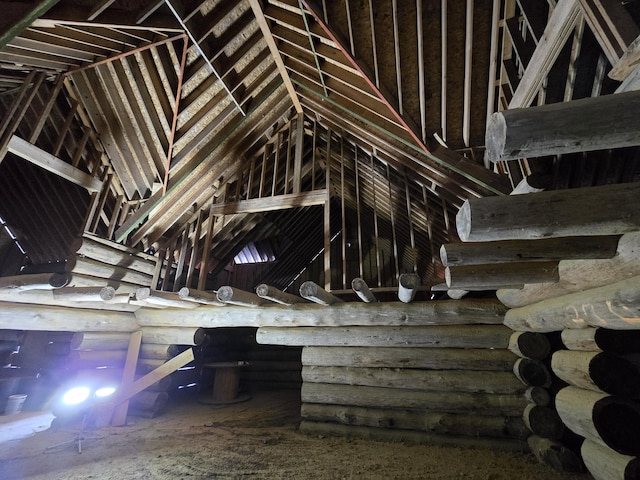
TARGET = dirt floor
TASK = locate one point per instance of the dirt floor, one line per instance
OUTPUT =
(255, 439)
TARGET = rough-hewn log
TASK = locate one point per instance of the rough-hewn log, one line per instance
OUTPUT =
(149, 400)
(602, 339)
(615, 306)
(609, 420)
(436, 380)
(235, 296)
(86, 266)
(159, 351)
(529, 345)
(35, 281)
(448, 402)
(78, 294)
(408, 284)
(273, 294)
(434, 422)
(100, 341)
(120, 256)
(164, 299)
(447, 336)
(604, 210)
(315, 293)
(498, 360)
(38, 317)
(441, 312)
(199, 296)
(46, 297)
(598, 371)
(80, 280)
(607, 464)
(543, 421)
(87, 359)
(554, 454)
(499, 275)
(362, 290)
(532, 372)
(173, 335)
(542, 250)
(411, 437)
(593, 123)
(578, 275)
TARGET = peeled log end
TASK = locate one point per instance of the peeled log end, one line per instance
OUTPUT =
(463, 221)
(495, 137)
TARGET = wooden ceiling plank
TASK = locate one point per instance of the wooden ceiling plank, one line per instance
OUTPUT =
(443, 66)
(374, 47)
(384, 96)
(29, 59)
(79, 36)
(52, 49)
(468, 63)
(64, 44)
(396, 51)
(52, 164)
(271, 203)
(147, 11)
(100, 7)
(18, 25)
(273, 47)
(560, 25)
(421, 75)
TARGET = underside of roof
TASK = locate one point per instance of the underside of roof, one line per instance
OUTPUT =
(283, 141)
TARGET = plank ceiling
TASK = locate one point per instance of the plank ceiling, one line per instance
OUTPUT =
(228, 125)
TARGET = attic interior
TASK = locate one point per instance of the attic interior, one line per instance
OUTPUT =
(268, 195)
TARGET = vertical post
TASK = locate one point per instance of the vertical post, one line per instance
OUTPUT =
(327, 218)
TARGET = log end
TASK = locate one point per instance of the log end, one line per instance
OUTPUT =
(262, 290)
(224, 294)
(463, 221)
(183, 292)
(143, 293)
(308, 289)
(107, 293)
(495, 137)
(59, 280)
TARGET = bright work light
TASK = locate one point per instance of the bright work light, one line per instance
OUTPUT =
(76, 395)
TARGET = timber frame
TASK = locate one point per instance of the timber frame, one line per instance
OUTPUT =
(315, 141)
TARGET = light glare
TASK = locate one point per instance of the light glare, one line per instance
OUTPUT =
(105, 391)
(76, 395)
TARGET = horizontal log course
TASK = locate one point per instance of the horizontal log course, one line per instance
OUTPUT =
(42, 317)
(79, 294)
(610, 420)
(129, 259)
(499, 275)
(598, 371)
(541, 250)
(554, 454)
(434, 380)
(120, 287)
(587, 124)
(272, 376)
(529, 345)
(173, 335)
(604, 210)
(499, 360)
(35, 281)
(272, 365)
(411, 437)
(160, 351)
(100, 341)
(543, 421)
(440, 312)
(86, 266)
(88, 359)
(447, 402)
(434, 422)
(149, 400)
(604, 463)
(615, 306)
(436, 336)
(578, 275)
(602, 339)
(47, 297)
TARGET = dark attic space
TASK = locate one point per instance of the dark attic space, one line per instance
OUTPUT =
(320, 239)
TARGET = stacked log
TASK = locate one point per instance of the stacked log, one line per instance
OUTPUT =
(448, 384)
(99, 262)
(594, 303)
